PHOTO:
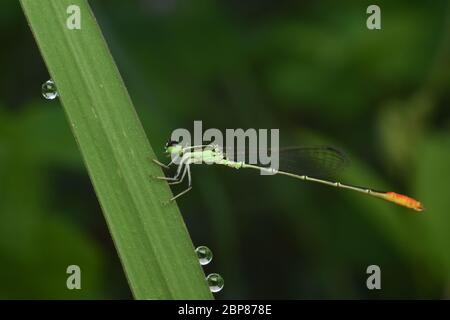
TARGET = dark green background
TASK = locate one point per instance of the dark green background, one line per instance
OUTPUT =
(311, 69)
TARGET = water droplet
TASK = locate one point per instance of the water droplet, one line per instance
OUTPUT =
(204, 255)
(215, 282)
(49, 90)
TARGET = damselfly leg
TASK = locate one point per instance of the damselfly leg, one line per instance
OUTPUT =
(166, 166)
(183, 170)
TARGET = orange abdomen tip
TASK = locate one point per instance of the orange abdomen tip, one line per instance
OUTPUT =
(403, 200)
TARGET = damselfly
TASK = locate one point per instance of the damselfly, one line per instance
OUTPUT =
(295, 162)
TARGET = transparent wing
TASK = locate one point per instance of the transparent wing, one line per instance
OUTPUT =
(320, 162)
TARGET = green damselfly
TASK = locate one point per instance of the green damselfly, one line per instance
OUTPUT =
(295, 162)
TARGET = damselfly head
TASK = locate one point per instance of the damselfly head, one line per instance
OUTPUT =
(170, 143)
(173, 147)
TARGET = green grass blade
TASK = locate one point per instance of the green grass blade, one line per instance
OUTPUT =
(151, 239)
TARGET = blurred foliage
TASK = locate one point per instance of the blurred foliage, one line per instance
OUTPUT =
(310, 68)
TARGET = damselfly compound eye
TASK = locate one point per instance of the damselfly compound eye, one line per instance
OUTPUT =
(170, 143)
